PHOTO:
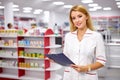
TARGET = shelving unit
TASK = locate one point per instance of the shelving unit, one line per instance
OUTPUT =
(8, 54)
(113, 49)
(109, 27)
(31, 62)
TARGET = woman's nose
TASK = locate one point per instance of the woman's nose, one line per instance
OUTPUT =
(77, 20)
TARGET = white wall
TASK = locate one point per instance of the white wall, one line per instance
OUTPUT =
(58, 18)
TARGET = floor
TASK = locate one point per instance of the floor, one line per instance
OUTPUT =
(110, 74)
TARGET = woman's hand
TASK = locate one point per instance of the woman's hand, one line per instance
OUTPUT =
(80, 68)
(51, 60)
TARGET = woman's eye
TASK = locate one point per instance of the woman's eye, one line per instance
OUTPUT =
(73, 18)
(79, 16)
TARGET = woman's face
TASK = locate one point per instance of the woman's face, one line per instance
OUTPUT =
(79, 19)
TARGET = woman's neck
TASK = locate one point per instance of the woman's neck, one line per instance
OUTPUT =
(80, 33)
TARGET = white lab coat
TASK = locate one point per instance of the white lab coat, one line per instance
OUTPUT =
(89, 50)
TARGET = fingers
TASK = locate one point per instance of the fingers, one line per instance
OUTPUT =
(76, 67)
(51, 60)
(79, 68)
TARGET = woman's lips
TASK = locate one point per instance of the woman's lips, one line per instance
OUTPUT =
(78, 24)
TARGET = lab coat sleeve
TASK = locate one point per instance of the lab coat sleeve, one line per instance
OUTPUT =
(100, 49)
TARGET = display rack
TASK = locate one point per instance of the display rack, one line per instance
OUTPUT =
(113, 49)
(109, 27)
(30, 61)
(8, 54)
(112, 26)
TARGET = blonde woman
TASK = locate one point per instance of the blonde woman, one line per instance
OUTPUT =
(84, 46)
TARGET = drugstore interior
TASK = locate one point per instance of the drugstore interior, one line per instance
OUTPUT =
(40, 26)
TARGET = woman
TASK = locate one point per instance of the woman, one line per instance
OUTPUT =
(83, 46)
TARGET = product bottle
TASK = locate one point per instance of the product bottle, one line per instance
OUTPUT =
(56, 29)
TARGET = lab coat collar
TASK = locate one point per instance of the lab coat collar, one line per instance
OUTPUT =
(88, 31)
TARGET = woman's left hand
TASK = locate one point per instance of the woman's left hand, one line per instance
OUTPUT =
(79, 68)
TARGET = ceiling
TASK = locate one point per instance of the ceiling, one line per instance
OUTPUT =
(47, 5)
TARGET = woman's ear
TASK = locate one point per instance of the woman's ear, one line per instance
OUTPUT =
(86, 17)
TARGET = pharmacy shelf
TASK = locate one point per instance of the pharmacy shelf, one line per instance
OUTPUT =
(32, 69)
(53, 35)
(115, 56)
(55, 77)
(54, 67)
(5, 75)
(41, 35)
(30, 58)
(31, 47)
(32, 36)
(113, 44)
(54, 46)
(44, 72)
(8, 36)
(114, 67)
(30, 78)
(9, 67)
(8, 46)
(12, 57)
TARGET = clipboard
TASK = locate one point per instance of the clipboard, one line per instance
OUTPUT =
(60, 59)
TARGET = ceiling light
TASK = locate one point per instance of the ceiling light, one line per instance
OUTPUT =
(27, 8)
(38, 10)
(15, 6)
(46, 16)
(118, 3)
(107, 8)
(117, 0)
(98, 7)
(67, 6)
(118, 6)
(92, 5)
(46, 0)
(27, 11)
(46, 12)
(15, 9)
(92, 9)
(2, 7)
(58, 3)
(87, 1)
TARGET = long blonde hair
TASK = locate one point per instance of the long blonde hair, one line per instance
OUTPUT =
(84, 11)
